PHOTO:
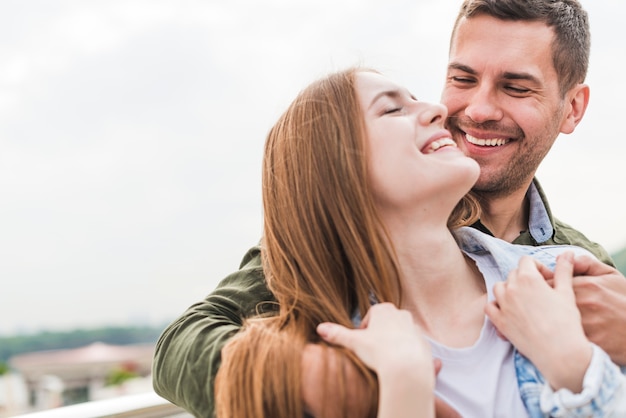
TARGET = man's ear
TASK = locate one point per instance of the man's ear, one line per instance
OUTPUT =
(576, 101)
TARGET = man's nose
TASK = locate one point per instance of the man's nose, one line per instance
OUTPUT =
(483, 105)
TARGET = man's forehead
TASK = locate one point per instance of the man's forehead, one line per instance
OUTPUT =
(481, 29)
(484, 43)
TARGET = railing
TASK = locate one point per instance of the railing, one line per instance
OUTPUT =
(145, 405)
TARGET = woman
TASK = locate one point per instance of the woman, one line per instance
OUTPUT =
(365, 195)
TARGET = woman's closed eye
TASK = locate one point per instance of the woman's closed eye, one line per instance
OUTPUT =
(392, 110)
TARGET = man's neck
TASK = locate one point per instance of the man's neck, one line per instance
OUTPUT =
(505, 216)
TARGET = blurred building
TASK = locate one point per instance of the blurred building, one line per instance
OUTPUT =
(96, 371)
(13, 395)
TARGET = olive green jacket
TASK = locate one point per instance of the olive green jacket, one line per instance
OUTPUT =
(187, 354)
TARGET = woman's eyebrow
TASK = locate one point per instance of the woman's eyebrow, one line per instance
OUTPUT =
(394, 94)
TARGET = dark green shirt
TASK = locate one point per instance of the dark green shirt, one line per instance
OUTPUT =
(544, 229)
(187, 354)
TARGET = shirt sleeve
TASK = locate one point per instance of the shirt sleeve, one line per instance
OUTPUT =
(603, 394)
(188, 353)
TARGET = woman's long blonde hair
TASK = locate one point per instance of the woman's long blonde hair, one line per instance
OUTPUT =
(326, 253)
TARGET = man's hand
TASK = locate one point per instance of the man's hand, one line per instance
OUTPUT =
(601, 298)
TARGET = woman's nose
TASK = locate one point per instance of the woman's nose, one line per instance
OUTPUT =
(433, 113)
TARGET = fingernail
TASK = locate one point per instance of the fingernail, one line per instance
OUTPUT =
(568, 256)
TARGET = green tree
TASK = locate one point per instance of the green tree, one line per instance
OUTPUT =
(121, 374)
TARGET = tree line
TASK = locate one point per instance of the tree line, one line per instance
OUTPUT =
(49, 340)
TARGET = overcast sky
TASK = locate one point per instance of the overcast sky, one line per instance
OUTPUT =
(131, 137)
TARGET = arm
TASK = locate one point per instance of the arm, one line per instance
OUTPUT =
(601, 298)
(544, 325)
(187, 354)
(603, 394)
(391, 344)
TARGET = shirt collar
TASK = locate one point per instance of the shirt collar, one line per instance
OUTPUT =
(539, 223)
(539, 217)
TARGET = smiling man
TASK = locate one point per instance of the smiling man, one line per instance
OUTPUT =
(515, 82)
(508, 102)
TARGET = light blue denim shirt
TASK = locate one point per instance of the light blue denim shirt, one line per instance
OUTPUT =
(603, 383)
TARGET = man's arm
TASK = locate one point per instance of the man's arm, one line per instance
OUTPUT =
(601, 298)
(187, 354)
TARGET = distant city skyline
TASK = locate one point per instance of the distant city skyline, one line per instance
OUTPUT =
(132, 134)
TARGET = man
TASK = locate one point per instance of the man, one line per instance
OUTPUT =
(513, 84)
(515, 81)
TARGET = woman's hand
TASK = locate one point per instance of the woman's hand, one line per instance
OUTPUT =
(543, 322)
(387, 336)
(391, 344)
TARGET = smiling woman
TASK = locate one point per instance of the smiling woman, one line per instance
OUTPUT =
(352, 161)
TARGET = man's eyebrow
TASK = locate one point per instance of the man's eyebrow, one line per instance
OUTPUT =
(461, 67)
(509, 75)
(521, 76)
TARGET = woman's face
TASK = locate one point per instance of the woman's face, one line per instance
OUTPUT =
(412, 158)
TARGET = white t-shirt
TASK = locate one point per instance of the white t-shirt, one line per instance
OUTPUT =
(480, 381)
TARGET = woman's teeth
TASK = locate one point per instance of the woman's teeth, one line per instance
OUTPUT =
(443, 142)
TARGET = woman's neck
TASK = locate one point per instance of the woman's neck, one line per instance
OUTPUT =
(442, 288)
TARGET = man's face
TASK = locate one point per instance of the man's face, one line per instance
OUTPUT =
(502, 93)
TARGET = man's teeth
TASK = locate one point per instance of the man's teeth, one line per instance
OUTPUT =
(494, 142)
(443, 142)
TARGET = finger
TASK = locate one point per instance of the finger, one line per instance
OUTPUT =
(438, 364)
(499, 291)
(495, 316)
(529, 266)
(564, 271)
(443, 410)
(337, 334)
(366, 320)
(501, 335)
(585, 265)
(545, 271)
(376, 310)
(492, 310)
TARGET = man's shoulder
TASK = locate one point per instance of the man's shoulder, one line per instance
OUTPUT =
(252, 259)
(246, 282)
(565, 234)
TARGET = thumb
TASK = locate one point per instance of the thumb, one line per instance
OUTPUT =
(336, 334)
(564, 271)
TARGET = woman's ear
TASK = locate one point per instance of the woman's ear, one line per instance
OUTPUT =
(577, 100)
